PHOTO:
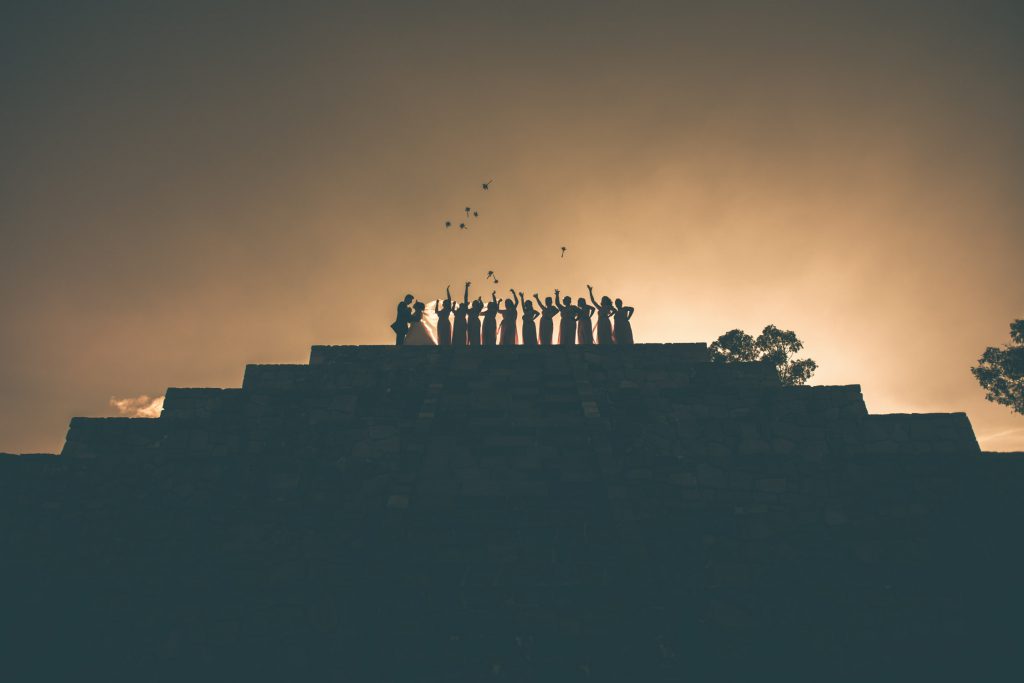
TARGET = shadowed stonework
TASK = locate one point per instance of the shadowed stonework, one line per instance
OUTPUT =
(513, 514)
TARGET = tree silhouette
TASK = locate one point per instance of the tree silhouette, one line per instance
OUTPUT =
(734, 345)
(773, 346)
(1000, 372)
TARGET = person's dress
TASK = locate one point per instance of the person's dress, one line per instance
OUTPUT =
(529, 328)
(585, 328)
(474, 328)
(547, 328)
(508, 327)
(420, 335)
(459, 329)
(567, 327)
(444, 328)
(490, 335)
(604, 328)
(623, 330)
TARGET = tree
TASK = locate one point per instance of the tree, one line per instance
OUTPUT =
(1000, 372)
(773, 346)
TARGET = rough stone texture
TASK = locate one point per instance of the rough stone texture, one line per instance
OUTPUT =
(513, 514)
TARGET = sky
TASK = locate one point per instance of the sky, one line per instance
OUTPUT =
(187, 187)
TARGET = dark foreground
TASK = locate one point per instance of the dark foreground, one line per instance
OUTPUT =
(513, 514)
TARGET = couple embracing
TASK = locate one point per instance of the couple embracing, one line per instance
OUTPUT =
(409, 326)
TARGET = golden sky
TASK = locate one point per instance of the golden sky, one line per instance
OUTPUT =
(189, 187)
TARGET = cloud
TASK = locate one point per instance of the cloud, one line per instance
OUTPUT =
(139, 406)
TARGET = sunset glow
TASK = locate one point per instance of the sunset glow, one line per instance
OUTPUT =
(844, 174)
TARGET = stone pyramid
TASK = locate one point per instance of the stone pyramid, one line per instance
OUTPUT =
(512, 514)
(381, 402)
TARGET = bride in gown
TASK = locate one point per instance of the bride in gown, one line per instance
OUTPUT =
(420, 331)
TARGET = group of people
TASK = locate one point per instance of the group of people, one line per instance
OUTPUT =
(476, 324)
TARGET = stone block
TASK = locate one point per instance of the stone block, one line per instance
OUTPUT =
(187, 403)
(711, 477)
(772, 485)
(276, 378)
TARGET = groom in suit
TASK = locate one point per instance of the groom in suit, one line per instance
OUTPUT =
(402, 319)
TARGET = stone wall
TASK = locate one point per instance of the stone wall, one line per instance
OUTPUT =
(515, 514)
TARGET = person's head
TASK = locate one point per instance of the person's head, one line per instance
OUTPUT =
(509, 303)
(477, 305)
(606, 302)
(548, 301)
(492, 306)
(419, 307)
(567, 301)
(527, 305)
(408, 299)
(581, 302)
(446, 305)
(618, 303)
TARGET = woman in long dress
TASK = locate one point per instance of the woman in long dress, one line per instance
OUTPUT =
(509, 315)
(474, 321)
(585, 324)
(459, 337)
(444, 319)
(567, 324)
(623, 330)
(490, 327)
(529, 327)
(604, 318)
(547, 318)
(419, 333)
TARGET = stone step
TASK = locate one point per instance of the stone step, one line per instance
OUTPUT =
(723, 437)
(91, 437)
(639, 353)
(274, 392)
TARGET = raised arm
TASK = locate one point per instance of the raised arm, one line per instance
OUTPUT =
(558, 302)
(465, 295)
(592, 300)
(540, 306)
(515, 297)
(448, 292)
(494, 299)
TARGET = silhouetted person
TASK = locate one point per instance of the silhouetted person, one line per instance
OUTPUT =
(585, 324)
(567, 323)
(403, 316)
(490, 328)
(419, 334)
(605, 311)
(529, 327)
(623, 330)
(474, 321)
(547, 325)
(509, 315)
(444, 319)
(459, 336)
